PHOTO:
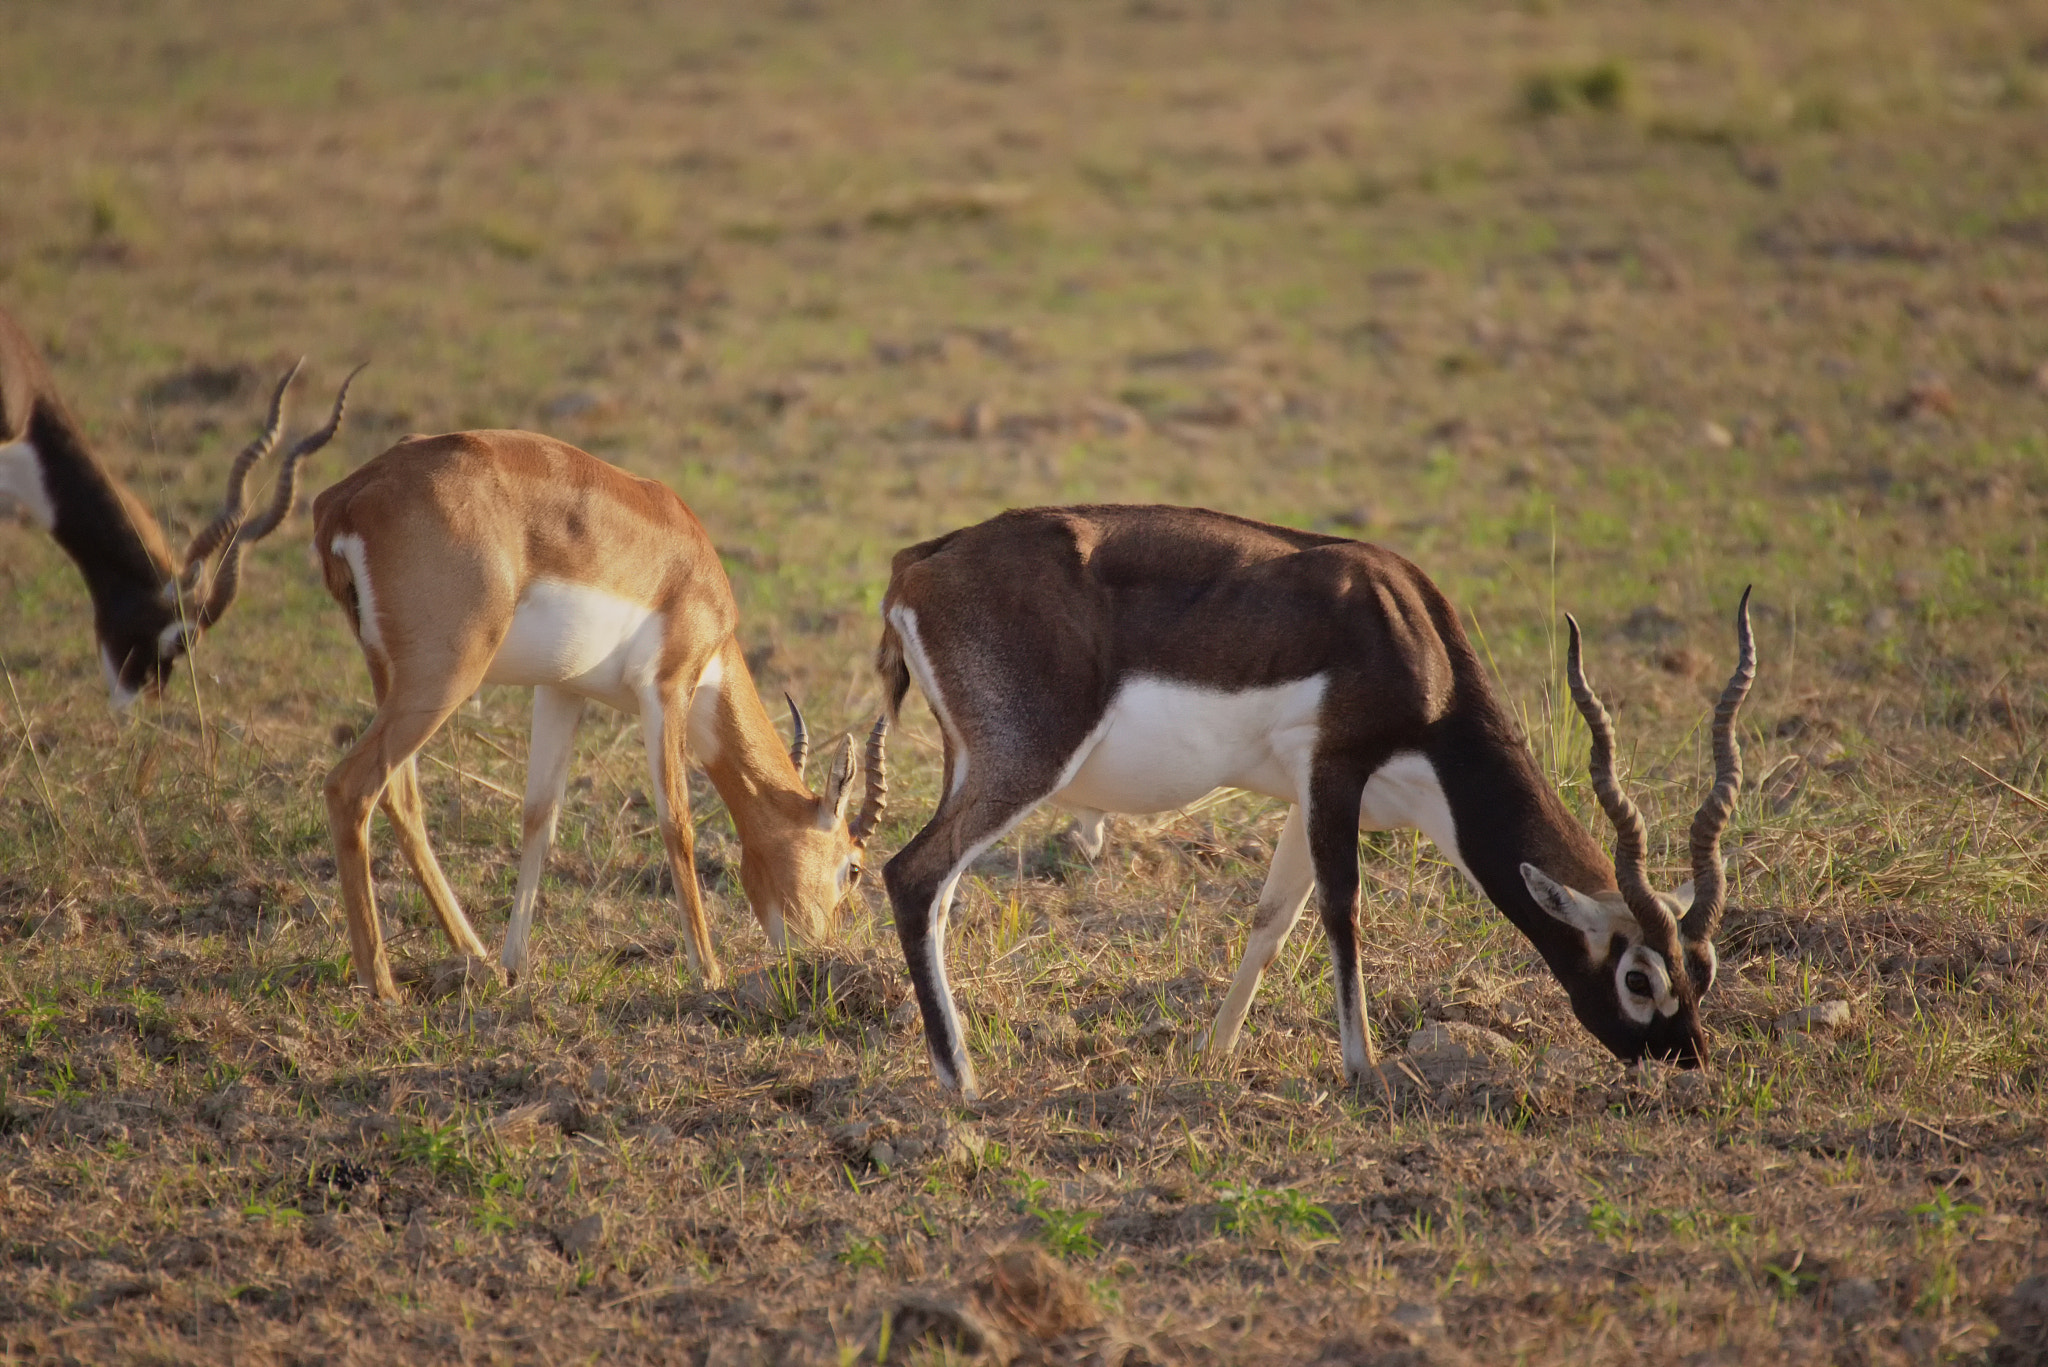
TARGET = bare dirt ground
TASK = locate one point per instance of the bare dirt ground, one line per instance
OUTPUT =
(1608, 307)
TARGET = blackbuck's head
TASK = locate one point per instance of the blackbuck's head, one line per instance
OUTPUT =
(142, 637)
(1650, 955)
(802, 881)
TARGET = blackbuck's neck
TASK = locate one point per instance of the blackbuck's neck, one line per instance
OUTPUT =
(1507, 814)
(116, 544)
(751, 768)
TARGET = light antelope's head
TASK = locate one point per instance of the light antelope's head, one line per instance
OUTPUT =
(801, 880)
(141, 637)
(1649, 956)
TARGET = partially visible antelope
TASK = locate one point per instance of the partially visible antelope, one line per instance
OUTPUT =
(513, 558)
(147, 608)
(1132, 659)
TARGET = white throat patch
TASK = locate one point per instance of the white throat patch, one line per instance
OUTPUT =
(21, 483)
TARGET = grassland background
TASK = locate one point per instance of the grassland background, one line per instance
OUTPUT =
(1608, 307)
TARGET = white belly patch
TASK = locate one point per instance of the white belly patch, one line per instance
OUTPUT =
(581, 639)
(1405, 792)
(21, 483)
(1164, 744)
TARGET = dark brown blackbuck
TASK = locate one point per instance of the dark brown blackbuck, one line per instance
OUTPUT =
(147, 608)
(1132, 659)
(511, 558)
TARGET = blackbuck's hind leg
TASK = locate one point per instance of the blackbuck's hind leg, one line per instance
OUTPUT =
(1288, 884)
(665, 726)
(402, 725)
(921, 880)
(555, 717)
(1332, 821)
(407, 815)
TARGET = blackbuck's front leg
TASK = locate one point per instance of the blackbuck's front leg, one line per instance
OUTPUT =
(1335, 792)
(665, 725)
(556, 714)
(1288, 883)
(922, 878)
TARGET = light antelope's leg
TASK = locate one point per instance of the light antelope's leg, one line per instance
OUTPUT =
(1288, 884)
(407, 815)
(402, 725)
(664, 724)
(555, 716)
(1332, 821)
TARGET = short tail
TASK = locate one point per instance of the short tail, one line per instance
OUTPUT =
(895, 673)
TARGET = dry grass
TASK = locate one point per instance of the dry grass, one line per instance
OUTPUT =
(1601, 306)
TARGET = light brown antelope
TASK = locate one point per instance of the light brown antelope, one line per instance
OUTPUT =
(147, 609)
(512, 558)
(1132, 659)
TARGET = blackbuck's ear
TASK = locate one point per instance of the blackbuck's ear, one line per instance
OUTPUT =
(1682, 898)
(1568, 905)
(838, 796)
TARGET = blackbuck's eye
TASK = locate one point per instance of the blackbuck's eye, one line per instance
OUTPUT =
(1637, 982)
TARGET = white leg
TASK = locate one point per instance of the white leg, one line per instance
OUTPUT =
(1089, 832)
(555, 715)
(1288, 885)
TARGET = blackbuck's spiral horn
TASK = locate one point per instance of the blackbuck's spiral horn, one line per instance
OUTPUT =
(216, 533)
(1709, 883)
(1631, 840)
(227, 580)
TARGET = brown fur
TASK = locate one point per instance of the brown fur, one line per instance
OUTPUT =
(455, 529)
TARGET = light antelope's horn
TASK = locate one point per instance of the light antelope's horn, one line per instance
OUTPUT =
(1631, 841)
(227, 580)
(799, 736)
(1709, 883)
(216, 533)
(878, 783)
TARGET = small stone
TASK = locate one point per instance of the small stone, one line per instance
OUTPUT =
(1458, 1042)
(600, 1080)
(419, 1237)
(1715, 435)
(1820, 1018)
(962, 1146)
(882, 1154)
(1419, 1320)
(911, 1147)
(1880, 622)
(581, 1238)
(1688, 1091)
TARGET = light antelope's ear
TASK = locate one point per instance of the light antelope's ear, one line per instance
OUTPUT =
(838, 796)
(1682, 898)
(1568, 905)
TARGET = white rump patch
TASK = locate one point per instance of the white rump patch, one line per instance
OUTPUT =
(21, 482)
(350, 548)
(581, 639)
(1163, 744)
(905, 621)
